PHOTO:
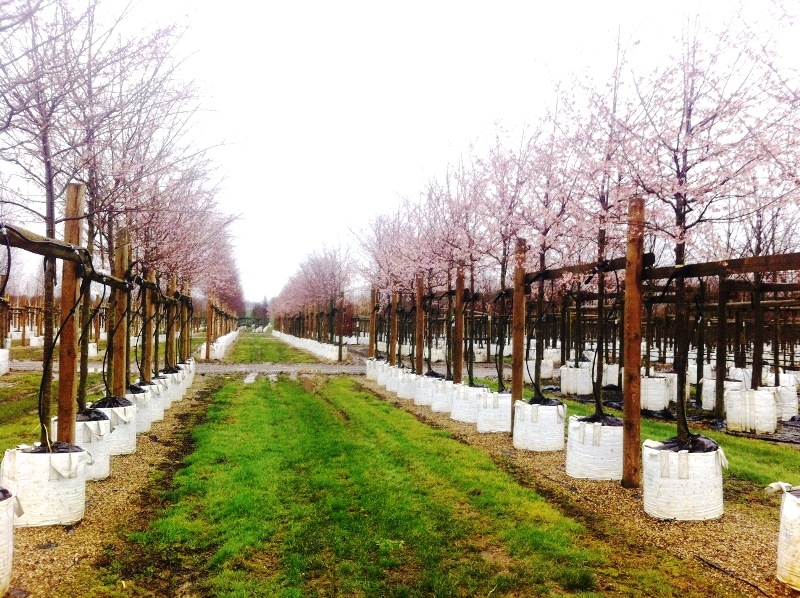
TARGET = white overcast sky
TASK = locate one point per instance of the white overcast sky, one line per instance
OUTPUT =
(331, 111)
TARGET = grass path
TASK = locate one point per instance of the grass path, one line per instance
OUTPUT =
(313, 488)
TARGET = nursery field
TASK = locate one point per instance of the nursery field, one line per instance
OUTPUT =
(320, 485)
(317, 487)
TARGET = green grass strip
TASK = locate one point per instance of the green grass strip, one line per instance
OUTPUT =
(253, 347)
(313, 488)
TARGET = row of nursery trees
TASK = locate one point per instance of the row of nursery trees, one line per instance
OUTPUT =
(707, 139)
(83, 102)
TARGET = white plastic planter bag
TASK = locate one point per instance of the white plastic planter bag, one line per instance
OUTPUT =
(91, 436)
(530, 371)
(443, 391)
(494, 412)
(789, 540)
(7, 502)
(383, 373)
(594, 451)
(407, 385)
(576, 380)
(393, 379)
(751, 411)
(372, 369)
(786, 398)
(144, 409)
(122, 440)
(710, 391)
(465, 403)
(654, 394)
(5, 361)
(50, 487)
(682, 485)
(423, 393)
(539, 427)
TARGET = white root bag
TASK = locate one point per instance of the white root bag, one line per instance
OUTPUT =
(157, 391)
(682, 485)
(576, 380)
(443, 392)
(530, 370)
(393, 379)
(50, 487)
(786, 398)
(594, 451)
(494, 412)
(91, 436)
(423, 393)
(144, 409)
(383, 372)
(751, 411)
(789, 541)
(654, 394)
(6, 541)
(372, 369)
(122, 440)
(710, 391)
(539, 427)
(465, 403)
(407, 386)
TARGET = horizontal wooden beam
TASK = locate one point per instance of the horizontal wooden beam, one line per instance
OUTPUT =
(590, 268)
(52, 248)
(747, 265)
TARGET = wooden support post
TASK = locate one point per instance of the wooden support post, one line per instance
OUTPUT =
(23, 326)
(722, 349)
(169, 351)
(631, 451)
(340, 326)
(420, 328)
(149, 311)
(68, 347)
(373, 325)
(458, 341)
(518, 326)
(121, 339)
(209, 325)
(395, 321)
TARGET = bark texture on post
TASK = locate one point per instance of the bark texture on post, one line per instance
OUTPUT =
(373, 325)
(458, 341)
(631, 452)
(419, 347)
(518, 325)
(121, 339)
(209, 326)
(68, 347)
(395, 324)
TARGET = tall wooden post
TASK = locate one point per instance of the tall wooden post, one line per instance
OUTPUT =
(395, 323)
(148, 298)
(121, 338)
(209, 325)
(518, 326)
(419, 328)
(458, 341)
(373, 324)
(68, 348)
(631, 451)
(722, 349)
(169, 350)
(340, 310)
